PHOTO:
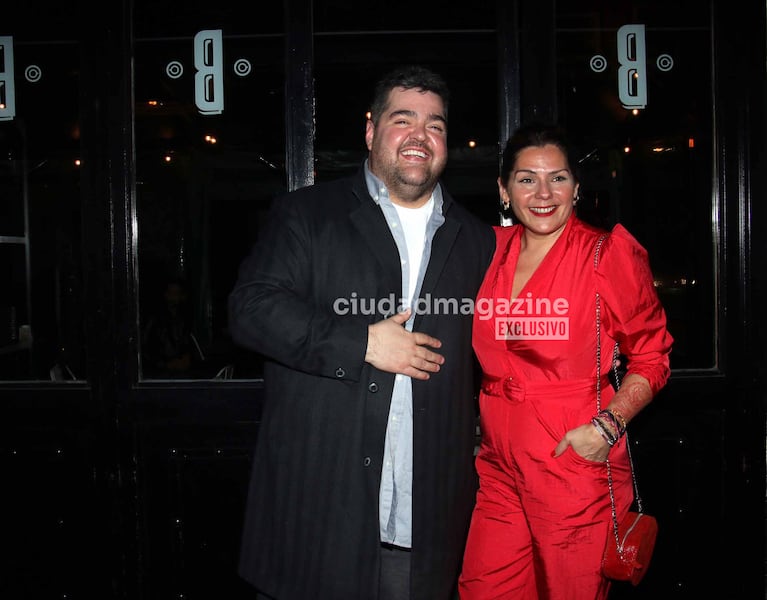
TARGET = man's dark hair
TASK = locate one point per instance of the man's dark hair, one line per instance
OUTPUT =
(408, 77)
(536, 135)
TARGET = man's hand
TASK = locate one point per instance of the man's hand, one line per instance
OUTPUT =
(394, 349)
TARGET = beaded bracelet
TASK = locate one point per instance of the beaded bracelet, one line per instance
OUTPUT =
(609, 419)
(608, 436)
(620, 418)
(617, 419)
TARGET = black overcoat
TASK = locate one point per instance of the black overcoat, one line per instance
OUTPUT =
(311, 528)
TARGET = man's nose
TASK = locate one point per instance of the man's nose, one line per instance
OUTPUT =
(418, 132)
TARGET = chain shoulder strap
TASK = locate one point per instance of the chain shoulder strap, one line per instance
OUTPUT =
(616, 353)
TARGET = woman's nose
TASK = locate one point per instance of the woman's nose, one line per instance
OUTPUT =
(544, 191)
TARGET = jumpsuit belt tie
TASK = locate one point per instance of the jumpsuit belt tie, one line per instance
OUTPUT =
(516, 390)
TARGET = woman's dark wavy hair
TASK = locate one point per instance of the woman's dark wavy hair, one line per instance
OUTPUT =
(536, 135)
(408, 77)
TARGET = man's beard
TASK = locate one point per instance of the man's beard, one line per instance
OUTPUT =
(408, 183)
(409, 186)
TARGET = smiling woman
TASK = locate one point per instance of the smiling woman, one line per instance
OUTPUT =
(541, 189)
(538, 396)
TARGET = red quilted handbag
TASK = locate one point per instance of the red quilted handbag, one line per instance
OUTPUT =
(631, 542)
(628, 557)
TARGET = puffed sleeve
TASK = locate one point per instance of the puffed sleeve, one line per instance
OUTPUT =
(632, 312)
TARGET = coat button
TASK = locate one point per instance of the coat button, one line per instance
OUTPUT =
(340, 373)
(373, 388)
(366, 461)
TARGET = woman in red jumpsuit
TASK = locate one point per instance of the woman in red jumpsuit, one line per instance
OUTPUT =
(543, 509)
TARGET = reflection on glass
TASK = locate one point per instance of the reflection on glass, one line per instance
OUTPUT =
(41, 321)
(635, 92)
(209, 159)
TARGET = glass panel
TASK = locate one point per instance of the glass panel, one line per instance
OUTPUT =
(635, 93)
(210, 156)
(41, 321)
(348, 61)
(401, 15)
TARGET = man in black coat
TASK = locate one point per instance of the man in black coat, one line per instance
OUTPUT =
(360, 293)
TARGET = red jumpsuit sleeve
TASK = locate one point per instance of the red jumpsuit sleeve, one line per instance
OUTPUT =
(631, 310)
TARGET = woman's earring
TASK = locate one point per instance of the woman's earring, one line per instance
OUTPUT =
(576, 198)
(505, 213)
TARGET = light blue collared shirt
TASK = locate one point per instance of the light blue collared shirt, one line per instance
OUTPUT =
(396, 492)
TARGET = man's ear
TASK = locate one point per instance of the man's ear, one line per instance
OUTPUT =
(369, 131)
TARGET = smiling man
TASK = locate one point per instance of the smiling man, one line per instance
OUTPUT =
(407, 139)
(363, 480)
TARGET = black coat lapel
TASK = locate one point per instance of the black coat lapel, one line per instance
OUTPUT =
(441, 246)
(370, 222)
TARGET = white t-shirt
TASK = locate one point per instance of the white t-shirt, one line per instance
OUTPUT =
(414, 222)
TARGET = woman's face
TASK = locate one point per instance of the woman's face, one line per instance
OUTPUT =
(541, 190)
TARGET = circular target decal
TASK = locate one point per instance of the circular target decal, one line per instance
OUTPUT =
(665, 62)
(174, 69)
(242, 67)
(598, 63)
(33, 73)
